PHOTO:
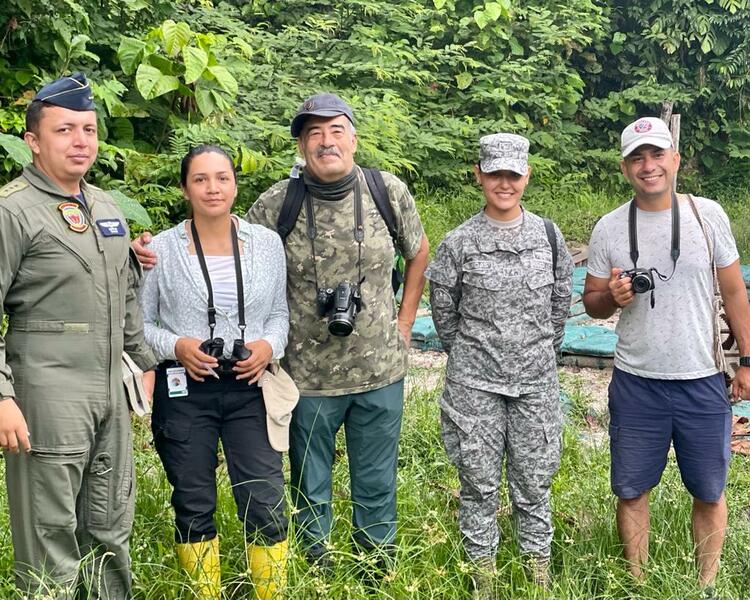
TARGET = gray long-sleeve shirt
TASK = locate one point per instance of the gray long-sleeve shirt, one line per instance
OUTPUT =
(174, 296)
(498, 307)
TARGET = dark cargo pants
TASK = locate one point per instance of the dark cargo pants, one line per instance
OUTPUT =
(74, 508)
(372, 423)
(186, 434)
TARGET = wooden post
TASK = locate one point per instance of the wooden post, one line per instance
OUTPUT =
(666, 110)
(675, 129)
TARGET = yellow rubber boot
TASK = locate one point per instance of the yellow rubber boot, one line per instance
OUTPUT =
(268, 569)
(201, 561)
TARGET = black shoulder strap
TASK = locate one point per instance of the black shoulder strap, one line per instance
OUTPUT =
(549, 227)
(295, 196)
(379, 193)
(290, 209)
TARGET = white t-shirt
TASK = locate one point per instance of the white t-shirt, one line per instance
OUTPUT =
(673, 340)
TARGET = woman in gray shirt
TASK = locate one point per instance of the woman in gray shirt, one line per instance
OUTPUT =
(215, 312)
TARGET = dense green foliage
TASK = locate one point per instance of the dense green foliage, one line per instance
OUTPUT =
(426, 79)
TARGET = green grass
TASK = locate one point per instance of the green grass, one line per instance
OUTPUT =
(430, 562)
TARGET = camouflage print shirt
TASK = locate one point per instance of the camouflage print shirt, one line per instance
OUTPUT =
(374, 355)
(497, 306)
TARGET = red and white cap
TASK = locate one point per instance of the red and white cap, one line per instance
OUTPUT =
(645, 131)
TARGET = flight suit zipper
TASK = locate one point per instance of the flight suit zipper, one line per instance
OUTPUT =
(81, 260)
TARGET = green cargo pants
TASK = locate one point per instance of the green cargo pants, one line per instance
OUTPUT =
(71, 513)
(372, 422)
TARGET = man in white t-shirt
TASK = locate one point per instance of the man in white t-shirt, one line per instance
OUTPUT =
(666, 387)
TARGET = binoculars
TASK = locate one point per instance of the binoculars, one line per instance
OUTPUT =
(215, 347)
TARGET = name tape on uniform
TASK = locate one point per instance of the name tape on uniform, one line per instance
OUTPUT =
(111, 227)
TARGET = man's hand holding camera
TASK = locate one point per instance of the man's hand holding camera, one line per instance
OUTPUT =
(620, 288)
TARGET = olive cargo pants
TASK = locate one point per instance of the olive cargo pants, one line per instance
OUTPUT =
(71, 513)
(372, 422)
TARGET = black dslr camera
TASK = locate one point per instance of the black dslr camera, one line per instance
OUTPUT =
(215, 347)
(341, 305)
(641, 280)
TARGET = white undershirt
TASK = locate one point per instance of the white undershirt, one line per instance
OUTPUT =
(223, 280)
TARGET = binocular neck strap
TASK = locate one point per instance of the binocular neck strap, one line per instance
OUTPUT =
(207, 279)
(633, 232)
(359, 229)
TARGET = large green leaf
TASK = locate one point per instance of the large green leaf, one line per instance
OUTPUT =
(16, 149)
(196, 61)
(151, 82)
(130, 54)
(205, 101)
(225, 79)
(175, 36)
(132, 210)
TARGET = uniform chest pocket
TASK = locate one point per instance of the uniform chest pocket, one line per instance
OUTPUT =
(540, 277)
(537, 264)
(63, 250)
(482, 274)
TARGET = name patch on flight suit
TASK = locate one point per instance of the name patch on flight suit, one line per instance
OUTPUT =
(73, 215)
(111, 227)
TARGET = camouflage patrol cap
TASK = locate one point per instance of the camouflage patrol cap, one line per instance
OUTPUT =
(320, 105)
(504, 152)
(72, 92)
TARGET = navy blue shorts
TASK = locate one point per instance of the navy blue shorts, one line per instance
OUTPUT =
(647, 414)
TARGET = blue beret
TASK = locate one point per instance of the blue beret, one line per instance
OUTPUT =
(320, 105)
(72, 92)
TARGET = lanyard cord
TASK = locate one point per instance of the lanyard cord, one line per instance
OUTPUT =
(359, 230)
(207, 278)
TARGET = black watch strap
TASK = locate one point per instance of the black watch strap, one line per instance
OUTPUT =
(745, 361)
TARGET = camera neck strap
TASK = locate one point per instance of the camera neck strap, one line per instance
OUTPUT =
(207, 279)
(633, 233)
(359, 230)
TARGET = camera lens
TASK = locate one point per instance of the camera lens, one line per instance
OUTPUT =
(641, 283)
(340, 326)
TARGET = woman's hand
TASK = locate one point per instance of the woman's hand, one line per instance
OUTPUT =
(198, 364)
(252, 368)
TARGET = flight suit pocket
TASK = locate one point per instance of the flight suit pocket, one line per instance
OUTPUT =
(99, 490)
(55, 480)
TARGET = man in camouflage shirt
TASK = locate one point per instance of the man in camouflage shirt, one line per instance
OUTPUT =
(499, 307)
(356, 380)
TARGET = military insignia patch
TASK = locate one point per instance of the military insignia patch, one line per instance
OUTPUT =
(73, 216)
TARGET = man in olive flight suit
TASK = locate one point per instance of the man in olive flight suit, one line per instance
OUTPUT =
(67, 285)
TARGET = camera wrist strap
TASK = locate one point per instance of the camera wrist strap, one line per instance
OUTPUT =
(207, 279)
(359, 230)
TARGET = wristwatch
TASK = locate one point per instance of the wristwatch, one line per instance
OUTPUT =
(745, 361)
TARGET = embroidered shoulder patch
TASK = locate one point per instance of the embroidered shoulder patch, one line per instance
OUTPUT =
(13, 187)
